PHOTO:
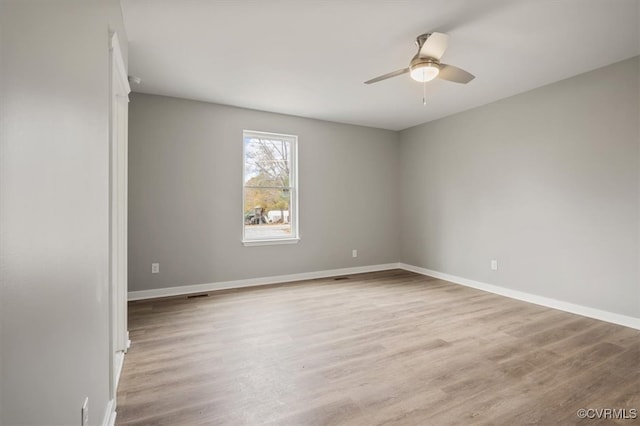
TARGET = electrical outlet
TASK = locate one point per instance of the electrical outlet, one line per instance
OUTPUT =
(85, 412)
(155, 268)
(354, 253)
(494, 265)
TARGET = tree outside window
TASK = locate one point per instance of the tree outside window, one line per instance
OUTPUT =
(270, 191)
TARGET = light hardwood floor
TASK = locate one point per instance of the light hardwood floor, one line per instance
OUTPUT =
(385, 348)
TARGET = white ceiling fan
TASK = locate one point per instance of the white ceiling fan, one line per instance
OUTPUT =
(426, 65)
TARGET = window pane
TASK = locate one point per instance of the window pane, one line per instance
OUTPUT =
(270, 187)
(266, 213)
(267, 162)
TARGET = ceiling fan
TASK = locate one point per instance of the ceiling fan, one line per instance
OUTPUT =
(426, 65)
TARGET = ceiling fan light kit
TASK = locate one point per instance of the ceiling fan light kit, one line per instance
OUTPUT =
(422, 70)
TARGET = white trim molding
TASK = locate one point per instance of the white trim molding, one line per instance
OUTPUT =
(110, 414)
(119, 64)
(249, 243)
(119, 364)
(585, 311)
(251, 282)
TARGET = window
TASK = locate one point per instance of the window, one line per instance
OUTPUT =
(270, 192)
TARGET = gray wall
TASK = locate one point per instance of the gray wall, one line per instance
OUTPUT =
(546, 182)
(185, 194)
(54, 199)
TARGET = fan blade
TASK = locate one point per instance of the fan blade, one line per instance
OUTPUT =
(434, 46)
(386, 76)
(455, 74)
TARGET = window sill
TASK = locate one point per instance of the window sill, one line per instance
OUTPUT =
(248, 243)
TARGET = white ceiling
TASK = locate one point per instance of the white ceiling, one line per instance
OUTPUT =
(310, 58)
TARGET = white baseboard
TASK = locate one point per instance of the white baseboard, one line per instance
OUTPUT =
(585, 311)
(110, 414)
(251, 282)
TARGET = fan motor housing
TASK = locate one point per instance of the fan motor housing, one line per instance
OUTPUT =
(420, 62)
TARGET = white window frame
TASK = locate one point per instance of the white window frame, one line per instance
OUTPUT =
(293, 193)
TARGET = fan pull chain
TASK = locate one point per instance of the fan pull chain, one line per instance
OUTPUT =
(424, 93)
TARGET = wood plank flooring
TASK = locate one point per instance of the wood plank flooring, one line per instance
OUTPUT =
(385, 348)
